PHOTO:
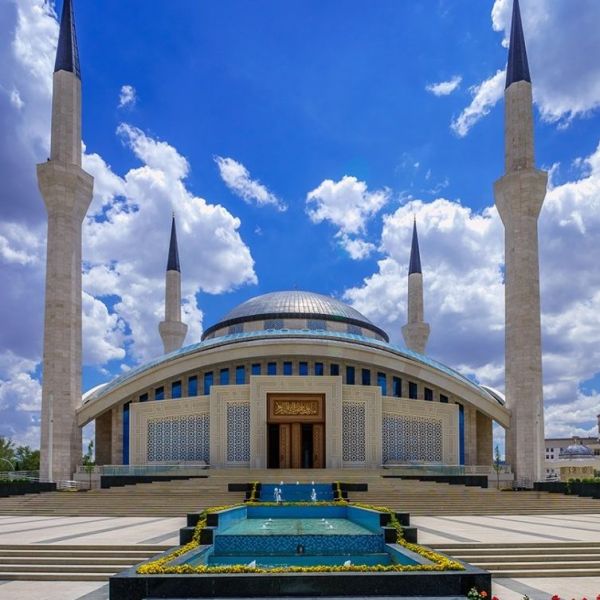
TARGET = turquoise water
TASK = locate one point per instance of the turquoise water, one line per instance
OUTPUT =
(280, 536)
(296, 527)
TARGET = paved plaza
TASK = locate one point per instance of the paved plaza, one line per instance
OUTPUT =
(432, 530)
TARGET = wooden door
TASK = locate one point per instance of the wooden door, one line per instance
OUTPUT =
(296, 445)
(318, 446)
(285, 450)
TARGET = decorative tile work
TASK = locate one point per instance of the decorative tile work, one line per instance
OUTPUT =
(179, 439)
(256, 545)
(238, 432)
(407, 439)
(353, 432)
(446, 415)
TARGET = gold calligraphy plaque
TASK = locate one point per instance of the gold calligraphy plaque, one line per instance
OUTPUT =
(293, 408)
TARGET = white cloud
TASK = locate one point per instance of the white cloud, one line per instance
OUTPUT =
(127, 96)
(562, 48)
(348, 205)
(237, 178)
(128, 224)
(444, 88)
(485, 97)
(462, 254)
(356, 248)
(137, 208)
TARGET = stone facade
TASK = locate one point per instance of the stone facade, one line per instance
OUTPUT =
(363, 428)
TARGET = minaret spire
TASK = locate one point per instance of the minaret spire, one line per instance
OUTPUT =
(416, 331)
(518, 67)
(67, 192)
(67, 54)
(519, 197)
(173, 260)
(172, 330)
(415, 256)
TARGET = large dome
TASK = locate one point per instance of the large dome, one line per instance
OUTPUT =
(576, 451)
(294, 304)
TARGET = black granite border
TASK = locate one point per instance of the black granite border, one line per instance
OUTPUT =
(108, 481)
(128, 585)
(20, 488)
(467, 480)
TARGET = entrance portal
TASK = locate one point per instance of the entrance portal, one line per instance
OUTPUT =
(296, 431)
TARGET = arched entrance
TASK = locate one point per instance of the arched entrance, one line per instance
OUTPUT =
(295, 431)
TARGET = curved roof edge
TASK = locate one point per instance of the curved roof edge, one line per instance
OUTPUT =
(298, 315)
(233, 338)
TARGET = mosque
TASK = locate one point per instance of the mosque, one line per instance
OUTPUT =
(290, 379)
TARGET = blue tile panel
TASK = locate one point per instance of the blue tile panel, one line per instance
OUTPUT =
(288, 544)
(282, 334)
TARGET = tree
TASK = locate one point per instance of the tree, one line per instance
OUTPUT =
(7, 454)
(27, 459)
(497, 466)
(88, 461)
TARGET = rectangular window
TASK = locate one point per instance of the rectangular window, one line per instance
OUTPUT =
(237, 328)
(240, 375)
(224, 377)
(272, 368)
(318, 368)
(274, 324)
(316, 324)
(350, 376)
(366, 377)
(176, 389)
(193, 385)
(428, 394)
(443, 399)
(144, 397)
(303, 368)
(208, 382)
(412, 390)
(287, 367)
(397, 387)
(334, 370)
(354, 329)
(461, 434)
(159, 393)
(256, 369)
(126, 433)
(382, 383)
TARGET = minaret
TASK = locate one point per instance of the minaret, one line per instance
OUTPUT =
(172, 330)
(519, 197)
(416, 331)
(67, 192)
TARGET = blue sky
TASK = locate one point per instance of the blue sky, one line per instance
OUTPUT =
(295, 141)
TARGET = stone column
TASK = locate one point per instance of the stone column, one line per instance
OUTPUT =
(104, 438)
(485, 439)
(67, 193)
(519, 198)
